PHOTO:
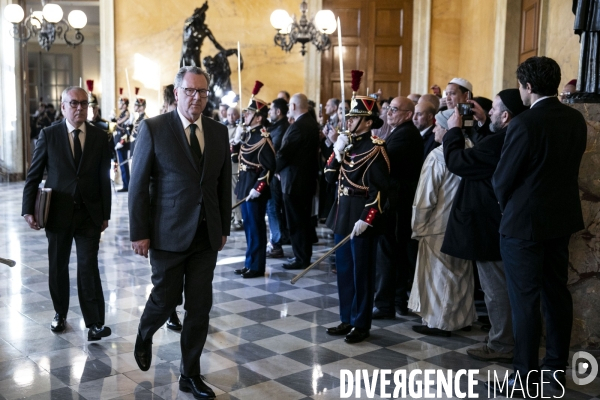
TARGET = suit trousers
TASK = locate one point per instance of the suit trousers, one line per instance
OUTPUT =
(277, 200)
(538, 271)
(493, 284)
(274, 228)
(191, 271)
(298, 209)
(122, 156)
(236, 215)
(355, 263)
(253, 212)
(396, 261)
(89, 286)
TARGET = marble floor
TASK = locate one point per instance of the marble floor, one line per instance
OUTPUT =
(266, 341)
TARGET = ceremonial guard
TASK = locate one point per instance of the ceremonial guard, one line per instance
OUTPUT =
(121, 138)
(360, 166)
(139, 107)
(253, 150)
(95, 117)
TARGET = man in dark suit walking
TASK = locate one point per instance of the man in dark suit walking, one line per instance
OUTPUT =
(537, 189)
(297, 165)
(75, 154)
(180, 210)
(396, 251)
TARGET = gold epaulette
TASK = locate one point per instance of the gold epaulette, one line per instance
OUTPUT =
(264, 133)
(377, 141)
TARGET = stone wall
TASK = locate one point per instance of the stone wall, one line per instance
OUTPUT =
(148, 41)
(584, 249)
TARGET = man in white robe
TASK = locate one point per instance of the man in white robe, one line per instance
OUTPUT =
(442, 291)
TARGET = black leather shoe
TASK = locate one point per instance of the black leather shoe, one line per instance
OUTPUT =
(378, 314)
(294, 265)
(252, 274)
(241, 271)
(98, 331)
(58, 323)
(196, 386)
(513, 388)
(173, 322)
(402, 310)
(275, 253)
(341, 329)
(357, 335)
(425, 330)
(142, 352)
(123, 190)
(554, 378)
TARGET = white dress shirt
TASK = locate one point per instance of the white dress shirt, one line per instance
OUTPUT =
(199, 131)
(70, 129)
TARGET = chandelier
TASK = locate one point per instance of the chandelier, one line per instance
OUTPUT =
(46, 25)
(290, 31)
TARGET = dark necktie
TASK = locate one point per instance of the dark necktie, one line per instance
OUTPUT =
(77, 151)
(194, 143)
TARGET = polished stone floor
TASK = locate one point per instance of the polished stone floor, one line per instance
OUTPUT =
(267, 338)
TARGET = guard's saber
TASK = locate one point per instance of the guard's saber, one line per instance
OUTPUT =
(125, 162)
(341, 56)
(311, 266)
(239, 62)
(10, 263)
(239, 203)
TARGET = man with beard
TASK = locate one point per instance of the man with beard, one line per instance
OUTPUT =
(536, 184)
(472, 231)
(275, 211)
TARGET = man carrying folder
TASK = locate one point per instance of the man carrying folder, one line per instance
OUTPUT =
(76, 156)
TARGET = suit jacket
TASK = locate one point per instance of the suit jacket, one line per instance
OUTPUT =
(277, 130)
(298, 157)
(472, 231)
(429, 142)
(168, 187)
(404, 146)
(536, 179)
(53, 153)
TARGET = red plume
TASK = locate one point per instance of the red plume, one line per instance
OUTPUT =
(356, 77)
(120, 90)
(90, 85)
(137, 90)
(257, 87)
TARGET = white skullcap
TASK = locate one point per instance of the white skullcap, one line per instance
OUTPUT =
(462, 82)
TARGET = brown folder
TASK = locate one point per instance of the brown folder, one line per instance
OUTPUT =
(42, 206)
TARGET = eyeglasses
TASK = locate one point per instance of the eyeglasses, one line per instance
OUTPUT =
(75, 103)
(192, 92)
(394, 110)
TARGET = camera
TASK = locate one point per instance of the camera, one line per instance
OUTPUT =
(466, 112)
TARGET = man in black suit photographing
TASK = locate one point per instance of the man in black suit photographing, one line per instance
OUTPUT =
(75, 154)
(180, 214)
(537, 189)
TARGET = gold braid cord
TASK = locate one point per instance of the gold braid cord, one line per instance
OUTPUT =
(369, 157)
(245, 149)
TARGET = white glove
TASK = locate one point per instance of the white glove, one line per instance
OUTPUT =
(339, 146)
(237, 137)
(359, 227)
(253, 194)
(119, 146)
